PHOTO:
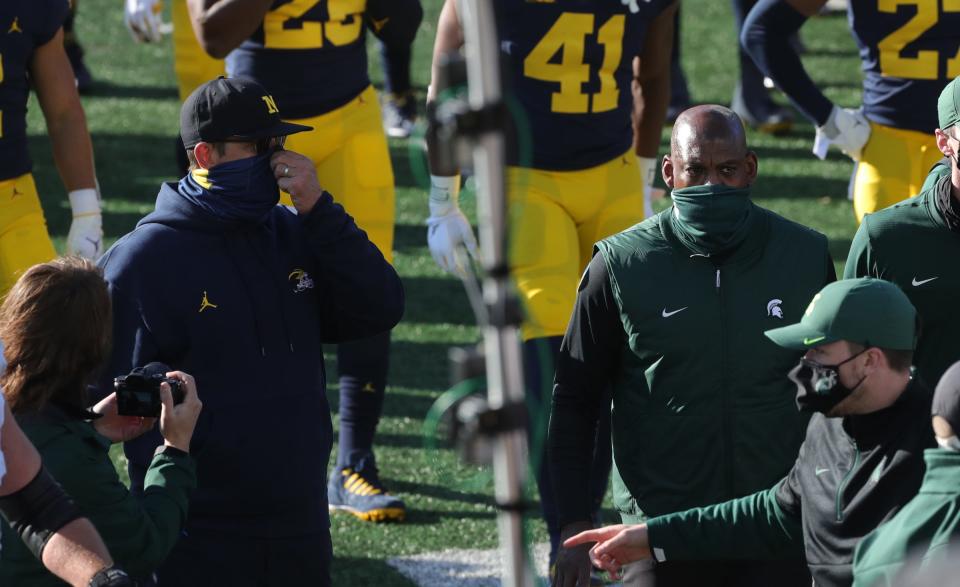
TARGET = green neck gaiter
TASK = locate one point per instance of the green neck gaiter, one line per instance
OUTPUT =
(711, 219)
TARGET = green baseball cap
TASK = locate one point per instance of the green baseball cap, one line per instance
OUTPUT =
(866, 311)
(948, 105)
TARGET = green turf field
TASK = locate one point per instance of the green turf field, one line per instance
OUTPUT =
(133, 117)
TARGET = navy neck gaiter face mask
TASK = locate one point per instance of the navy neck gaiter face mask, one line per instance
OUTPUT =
(711, 219)
(244, 190)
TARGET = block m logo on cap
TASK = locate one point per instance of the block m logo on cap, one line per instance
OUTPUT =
(271, 104)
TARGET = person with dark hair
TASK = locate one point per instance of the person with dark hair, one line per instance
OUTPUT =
(861, 460)
(56, 328)
(47, 520)
(924, 529)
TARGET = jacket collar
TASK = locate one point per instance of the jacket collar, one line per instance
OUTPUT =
(749, 250)
(875, 428)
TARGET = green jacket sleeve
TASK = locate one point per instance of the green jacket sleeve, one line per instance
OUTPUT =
(138, 532)
(751, 527)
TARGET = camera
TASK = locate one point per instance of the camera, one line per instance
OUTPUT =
(138, 394)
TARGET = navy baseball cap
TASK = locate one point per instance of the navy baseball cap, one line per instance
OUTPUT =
(234, 109)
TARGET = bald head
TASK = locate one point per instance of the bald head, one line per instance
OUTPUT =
(707, 123)
(709, 145)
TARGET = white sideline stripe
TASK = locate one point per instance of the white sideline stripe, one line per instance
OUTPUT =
(462, 567)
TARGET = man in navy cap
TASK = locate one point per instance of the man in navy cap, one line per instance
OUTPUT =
(221, 280)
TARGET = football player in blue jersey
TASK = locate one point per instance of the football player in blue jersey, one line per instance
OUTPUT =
(909, 51)
(31, 52)
(593, 79)
(311, 56)
(191, 64)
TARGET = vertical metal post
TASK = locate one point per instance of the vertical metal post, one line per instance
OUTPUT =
(501, 333)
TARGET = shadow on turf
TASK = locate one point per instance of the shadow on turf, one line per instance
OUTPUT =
(105, 89)
(441, 492)
(348, 570)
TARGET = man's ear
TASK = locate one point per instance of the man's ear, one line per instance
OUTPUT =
(752, 165)
(943, 143)
(666, 169)
(204, 154)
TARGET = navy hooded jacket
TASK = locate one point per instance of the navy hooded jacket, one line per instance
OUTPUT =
(245, 308)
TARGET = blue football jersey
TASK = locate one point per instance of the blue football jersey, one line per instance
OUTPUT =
(310, 54)
(570, 68)
(24, 26)
(909, 51)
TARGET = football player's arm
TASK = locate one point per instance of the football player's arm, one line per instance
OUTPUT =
(56, 90)
(448, 229)
(395, 22)
(47, 520)
(766, 37)
(221, 25)
(651, 84)
(52, 76)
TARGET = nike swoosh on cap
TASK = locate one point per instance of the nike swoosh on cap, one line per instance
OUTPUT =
(810, 341)
(666, 314)
(917, 283)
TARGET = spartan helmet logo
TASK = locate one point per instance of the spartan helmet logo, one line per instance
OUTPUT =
(774, 309)
(827, 380)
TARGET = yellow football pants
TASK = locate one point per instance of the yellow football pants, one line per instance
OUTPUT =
(24, 240)
(350, 152)
(191, 63)
(893, 166)
(555, 219)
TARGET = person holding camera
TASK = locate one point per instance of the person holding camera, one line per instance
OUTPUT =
(46, 518)
(56, 326)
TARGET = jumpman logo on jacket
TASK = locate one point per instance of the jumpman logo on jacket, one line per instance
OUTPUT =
(205, 303)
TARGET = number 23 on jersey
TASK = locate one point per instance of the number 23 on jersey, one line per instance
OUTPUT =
(568, 37)
(311, 24)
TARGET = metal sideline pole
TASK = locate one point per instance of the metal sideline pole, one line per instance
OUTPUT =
(504, 364)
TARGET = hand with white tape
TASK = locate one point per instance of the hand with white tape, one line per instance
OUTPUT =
(86, 230)
(648, 175)
(447, 226)
(847, 129)
(144, 20)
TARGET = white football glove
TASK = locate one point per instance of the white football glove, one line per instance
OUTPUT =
(447, 227)
(144, 20)
(86, 230)
(648, 175)
(847, 129)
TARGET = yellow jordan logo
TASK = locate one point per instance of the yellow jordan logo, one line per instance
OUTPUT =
(15, 26)
(205, 303)
(378, 24)
(369, 388)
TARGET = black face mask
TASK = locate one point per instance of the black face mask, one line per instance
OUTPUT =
(819, 388)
